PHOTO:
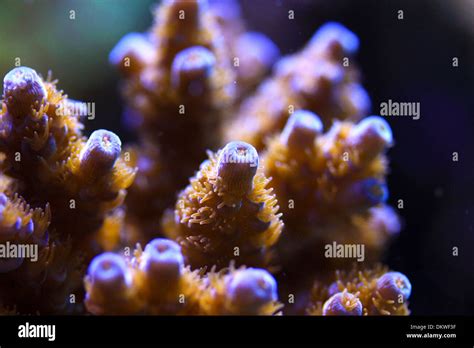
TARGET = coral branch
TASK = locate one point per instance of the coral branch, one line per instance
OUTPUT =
(155, 281)
(362, 292)
(226, 213)
(177, 98)
(331, 186)
(316, 78)
(45, 150)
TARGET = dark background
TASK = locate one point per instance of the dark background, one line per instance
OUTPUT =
(407, 60)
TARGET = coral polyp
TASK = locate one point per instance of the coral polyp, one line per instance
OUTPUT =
(343, 303)
(227, 213)
(53, 175)
(372, 291)
(334, 181)
(156, 281)
(177, 97)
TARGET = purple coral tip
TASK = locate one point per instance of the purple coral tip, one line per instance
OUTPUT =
(336, 32)
(394, 286)
(190, 69)
(162, 259)
(22, 90)
(108, 270)
(225, 10)
(344, 304)
(385, 218)
(371, 135)
(376, 126)
(259, 47)
(237, 165)
(249, 289)
(301, 129)
(135, 45)
(100, 152)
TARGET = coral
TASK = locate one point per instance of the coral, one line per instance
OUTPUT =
(362, 292)
(253, 53)
(246, 291)
(320, 162)
(44, 149)
(317, 79)
(155, 281)
(294, 166)
(58, 190)
(181, 81)
(178, 85)
(227, 212)
(333, 181)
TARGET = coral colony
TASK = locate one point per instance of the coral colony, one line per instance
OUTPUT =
(257, 186)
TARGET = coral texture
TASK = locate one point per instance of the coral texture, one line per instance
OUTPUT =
(178, 85)
(292, 195)
(155, 281)
(227, 212)
(315, 79)
(373, 291)
(58, 190)
(335, 182)
(321, 161)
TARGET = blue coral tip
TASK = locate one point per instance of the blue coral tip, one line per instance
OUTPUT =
(343, 304)
(258, 45)
(24, 86)
(192, 64)
(336, 31)
(237, 166)
(101, 151)
(162, 254)
(238, 152)
(225, 10)
(394, 286)
(252, 288)
(377, 126)
(107, 268)
(130, 42)
(301, 127)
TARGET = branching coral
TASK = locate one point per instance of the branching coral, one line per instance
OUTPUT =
(320, 78)
(78, 183)
(321, 162)
(334, 182)
(178, 84)
(253, 53)
(362, 292)
(331, 186)
(155, 281)
(227, 212)
(44, 149)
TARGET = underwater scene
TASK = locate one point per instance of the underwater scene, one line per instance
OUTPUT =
(266, 157)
